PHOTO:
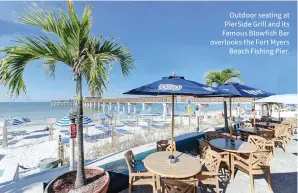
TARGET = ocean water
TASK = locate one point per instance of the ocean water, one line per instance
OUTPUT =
(40, 111)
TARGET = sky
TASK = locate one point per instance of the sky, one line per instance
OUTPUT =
(163, 37)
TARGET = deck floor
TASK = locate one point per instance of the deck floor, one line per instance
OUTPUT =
(284, 167)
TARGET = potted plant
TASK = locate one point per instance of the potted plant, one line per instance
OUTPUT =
(97, 181)
(89, 58)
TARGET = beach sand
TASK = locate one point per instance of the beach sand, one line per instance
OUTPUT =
(33, 145)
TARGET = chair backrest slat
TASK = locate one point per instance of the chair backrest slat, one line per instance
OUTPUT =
(130, 161)
(179, 186)
(162, 145)
(170, 145)
(266, 134)
(209, 135)
(203, 147)
(212, 160)
(259, 160)
(257, 141)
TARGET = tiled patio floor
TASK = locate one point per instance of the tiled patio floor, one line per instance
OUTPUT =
(284, 167)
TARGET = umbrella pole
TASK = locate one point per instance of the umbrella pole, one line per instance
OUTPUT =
(231, 125)
(267, 112)
(254, 114)
(279, 106)
(173, 122)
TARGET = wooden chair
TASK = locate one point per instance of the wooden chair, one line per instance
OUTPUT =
(266, 134)
(257, 141)
(287, 135)
(269, 136)
(179, 186)
(162, 145)
(137, 177)
(210, 169)
(209, 135)
(203, 147)
(291, 124)
(244, 135)
(279, 136)
(169, 146)
(257, 163)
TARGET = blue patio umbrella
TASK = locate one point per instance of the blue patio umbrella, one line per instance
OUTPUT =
(240, 90)
(173, 85)
(65, 121)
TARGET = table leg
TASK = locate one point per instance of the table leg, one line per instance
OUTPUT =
(230, 167)
(158, 187)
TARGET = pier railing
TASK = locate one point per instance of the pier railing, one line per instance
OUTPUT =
(159, 99)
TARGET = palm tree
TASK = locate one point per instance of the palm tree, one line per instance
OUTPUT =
(221, 77)
(90, 58)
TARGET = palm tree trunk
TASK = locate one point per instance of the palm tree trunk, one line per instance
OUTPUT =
(81, 178)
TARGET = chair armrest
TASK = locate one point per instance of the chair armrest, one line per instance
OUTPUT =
(224, 153)
(239, 157)
(144, 174)
(207, 173)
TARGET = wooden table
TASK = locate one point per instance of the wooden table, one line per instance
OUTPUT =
(159, 164)
(239, 147)
(266, 124)
(251, 129)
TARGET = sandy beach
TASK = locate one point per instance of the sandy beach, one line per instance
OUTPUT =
(28, 144)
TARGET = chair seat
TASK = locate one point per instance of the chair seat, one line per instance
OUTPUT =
(139, 167)
(143, 180)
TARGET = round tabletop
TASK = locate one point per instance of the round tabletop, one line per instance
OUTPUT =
(186, 166)
(239, 147)
(251, 129)
(266, 124)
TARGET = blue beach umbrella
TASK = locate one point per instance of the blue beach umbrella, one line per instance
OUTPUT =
(240, 90)
(65, 121)
(26, 119)
(15, 122)
(173, 85)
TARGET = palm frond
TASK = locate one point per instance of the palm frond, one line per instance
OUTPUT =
(119, 53)
(12, 70)
(49, 66)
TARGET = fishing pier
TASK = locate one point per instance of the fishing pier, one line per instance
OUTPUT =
(130, 103)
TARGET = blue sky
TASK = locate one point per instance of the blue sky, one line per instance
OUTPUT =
(163, 37)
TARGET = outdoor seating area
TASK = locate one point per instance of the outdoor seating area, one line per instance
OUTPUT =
(219, 164)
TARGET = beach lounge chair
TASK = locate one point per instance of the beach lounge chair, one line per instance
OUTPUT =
(257, 163)
(210, 169)
(179, 186)
(137, 177)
